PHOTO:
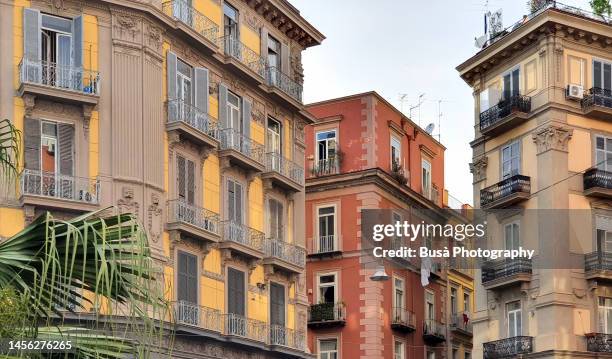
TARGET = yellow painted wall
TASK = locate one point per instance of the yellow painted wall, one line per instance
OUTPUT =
(12, 220)
(251, 39)
(211, 10)
(212, 293)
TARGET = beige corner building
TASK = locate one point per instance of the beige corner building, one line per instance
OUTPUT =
(189, 114)
(543, 140)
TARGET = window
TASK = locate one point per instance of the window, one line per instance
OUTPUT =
(234, 201)
(602, 75)
(187, 277)
(398, 350)
(426, 178)
(511, 160)
(576, 70)
(453, 300)
(185, 173)
(489, 97)
(398, 288)
(455, 353)
(511, 236)
(530, 76)
(277, 306)
(327, 228)
(467, 301)
(603, 153)
(430, 307)
(236, 293)
(277, 225)
(467, 355)
(398, 241)
(604, 234)
(327, 288)
(328, 349)
(605, 315)
(274, 59)
(56, 48)
(511, 83)
(230, 21)
(326, 145)
(234, 119)
(431, 355)
(184, 91)
(396, 150)
(514, 319)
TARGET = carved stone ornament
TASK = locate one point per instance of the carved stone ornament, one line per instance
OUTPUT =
(479, 168)
(296, 64)
(552, 137)
(299, 130)
(154, 37)
(126, 203)
(252, 20)
(155, 218)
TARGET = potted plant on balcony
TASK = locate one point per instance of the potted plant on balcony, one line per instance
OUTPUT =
(397, 172)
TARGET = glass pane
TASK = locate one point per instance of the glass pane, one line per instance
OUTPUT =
(327, 279)
(600, 143)
(607, 77)
(600, 159)
(609, 144)
(597, 74)
(328, 345)
(326, 210)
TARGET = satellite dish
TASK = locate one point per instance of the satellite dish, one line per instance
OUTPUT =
(429, 129)
(480, 41)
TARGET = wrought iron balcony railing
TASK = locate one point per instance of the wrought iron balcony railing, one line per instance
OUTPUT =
(402, 317)
(599, 342)
(508, 348)
(598, 261)
(504, 268)
(461, 322)
(63, 77)
(242, 234)
(232, 139)
(284, 82)
(237, 325)
(326, 244)
(597, 178)
(235, 49)
(277, 163)
(503, 109)
(434, 328)
(597, 97)
(285, 251)
(199, 316)
(53, 185)
(326, 167)
(183, 11)
(283, 336)
(180, 211)
(327, 312)
(180, 111)
(505, 188)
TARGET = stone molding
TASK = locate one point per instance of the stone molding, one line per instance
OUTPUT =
(552, 137)
(479, 169)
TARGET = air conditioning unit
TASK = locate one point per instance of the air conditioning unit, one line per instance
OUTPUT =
(575, 92)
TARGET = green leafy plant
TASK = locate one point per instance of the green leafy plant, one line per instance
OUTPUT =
(601, 7)
(535, 5)
(397, 172)
(10, 138)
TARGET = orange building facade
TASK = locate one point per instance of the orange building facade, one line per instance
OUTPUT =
(362, 153)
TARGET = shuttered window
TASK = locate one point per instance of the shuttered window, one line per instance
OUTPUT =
(234, 201)
(49, 146)
(277, 304)
(235, 292)
(602, 75)
(276, 219)
(185, 179)
(187, 277)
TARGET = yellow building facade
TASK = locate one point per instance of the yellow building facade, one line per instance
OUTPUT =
(189, 114)
(543, 107)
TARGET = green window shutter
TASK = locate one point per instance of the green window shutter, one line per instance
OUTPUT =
(32, 144)
(66, 149)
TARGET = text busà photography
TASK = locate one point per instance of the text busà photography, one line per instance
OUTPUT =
(306, 179)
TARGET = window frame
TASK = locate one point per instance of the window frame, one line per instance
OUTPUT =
(243, 202)
(237, 108)
(602, 327)
(429, 293)
(402, 289)
(402, 353)
(335, 284)
(233, 22)
(198, 270)
(427, 190)
(515, 228)
(510, 72)
(279, 134)
(509, 146)
(604, 165)
(454, 311)
(337, 352)
(317, 223)
(398, 151)
(246, 287)
(519, 312)
(603, 62)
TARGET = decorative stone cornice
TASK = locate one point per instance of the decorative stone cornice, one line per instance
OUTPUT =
(479, 168)
(552, 137)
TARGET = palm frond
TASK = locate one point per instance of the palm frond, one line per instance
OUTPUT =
(10, 139)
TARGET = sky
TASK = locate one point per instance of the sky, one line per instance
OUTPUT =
(406, 47)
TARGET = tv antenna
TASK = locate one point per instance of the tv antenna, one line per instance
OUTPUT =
(402, 99)
(418, 105)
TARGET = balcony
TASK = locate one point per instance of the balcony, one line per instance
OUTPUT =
(325, 246)
(597, 183)
(506, 272)
(506, 114)
(598, 265)
(193, 221)
(243, 59)
(284, 87)
(52, 190)
(508, 348)
(326, 315)
(285, 337)
(434, 332)
(461, 324)
(190, 314)
(597, 102)
(402, 320)
(506, 192)
(192, 123)
(241, 150)
(192, 23)
(330, 166)
(239, 326)
(283, 172)
(284, 256)
(57, 82)
(242, 239)
(599, 342)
